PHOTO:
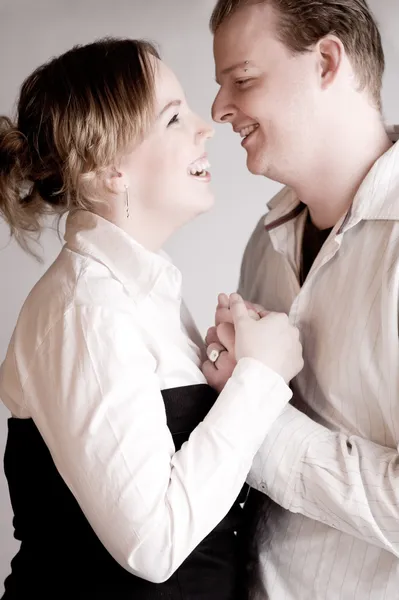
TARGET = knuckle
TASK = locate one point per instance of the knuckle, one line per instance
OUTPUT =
(281, 319)
(225, 362)
(221, 328)
(205, 369)
(212, 380)
(295, 337)
(206, 365)
(210, 336)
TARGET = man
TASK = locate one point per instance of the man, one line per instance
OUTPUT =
(300, 82)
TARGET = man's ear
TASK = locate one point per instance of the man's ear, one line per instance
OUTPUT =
(330, 52)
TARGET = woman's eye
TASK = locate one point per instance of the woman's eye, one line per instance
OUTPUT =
(174, 119)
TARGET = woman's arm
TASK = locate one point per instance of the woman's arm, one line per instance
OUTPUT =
(93, 392)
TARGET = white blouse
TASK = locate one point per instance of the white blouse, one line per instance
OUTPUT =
(98, 338)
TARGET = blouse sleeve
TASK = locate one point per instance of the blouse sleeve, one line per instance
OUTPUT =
(93, 392)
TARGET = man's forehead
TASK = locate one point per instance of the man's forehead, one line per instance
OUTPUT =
(231, 52)
(241, 53)
(239, 38)
(248, 25)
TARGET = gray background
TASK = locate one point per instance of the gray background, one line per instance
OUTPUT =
(207, 251)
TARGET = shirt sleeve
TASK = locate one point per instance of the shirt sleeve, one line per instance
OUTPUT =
(347, 482)
(93, 392)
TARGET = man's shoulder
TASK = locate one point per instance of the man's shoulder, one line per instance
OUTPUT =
(260, 236)
(258, 247)
(286, 193)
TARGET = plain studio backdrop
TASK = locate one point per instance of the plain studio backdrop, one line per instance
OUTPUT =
(208, 251)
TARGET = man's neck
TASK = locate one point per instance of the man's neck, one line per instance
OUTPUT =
(347, 157)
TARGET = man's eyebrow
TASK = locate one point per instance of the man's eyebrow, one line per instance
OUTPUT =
(241, 65)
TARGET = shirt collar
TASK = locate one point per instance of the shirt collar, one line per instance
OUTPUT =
(282, 208)
(137, 268)
(378, 195)
(376, 199)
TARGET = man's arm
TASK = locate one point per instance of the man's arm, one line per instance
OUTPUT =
(344, 481)
(347, 482)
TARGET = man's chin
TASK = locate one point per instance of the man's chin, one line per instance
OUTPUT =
(264, 169)
(254, 166)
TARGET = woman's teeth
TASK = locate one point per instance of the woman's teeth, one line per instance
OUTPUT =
(199, 168)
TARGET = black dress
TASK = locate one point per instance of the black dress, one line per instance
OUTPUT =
(60, 555)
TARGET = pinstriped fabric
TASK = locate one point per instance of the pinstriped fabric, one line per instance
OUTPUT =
(328, 524)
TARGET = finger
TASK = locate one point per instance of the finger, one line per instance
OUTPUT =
(253, 314)
(254, 310)
(213, 351)
(225, 365)
(250, 305)
(215, 379)
(226, 336)
(210, 372)
(238, 309)
(223, 301)
(263, 313)
(211, 336)
(223, 315)
(258, 307)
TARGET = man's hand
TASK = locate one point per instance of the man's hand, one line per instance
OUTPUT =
(223, 313)
(221, 337)
(253, 333)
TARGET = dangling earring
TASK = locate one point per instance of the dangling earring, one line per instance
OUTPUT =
(127, 201)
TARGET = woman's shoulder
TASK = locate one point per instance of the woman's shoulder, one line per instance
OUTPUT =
(74, 300)
(73, 282)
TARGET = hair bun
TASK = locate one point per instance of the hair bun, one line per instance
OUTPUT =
(13, 148)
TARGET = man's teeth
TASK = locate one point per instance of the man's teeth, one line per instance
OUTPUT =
(199, 167)
(247, 130)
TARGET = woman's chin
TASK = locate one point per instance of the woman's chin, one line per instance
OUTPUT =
(207, 202)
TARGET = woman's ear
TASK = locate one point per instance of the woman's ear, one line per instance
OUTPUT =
(115, 180)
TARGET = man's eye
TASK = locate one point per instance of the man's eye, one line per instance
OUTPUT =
(242, 82)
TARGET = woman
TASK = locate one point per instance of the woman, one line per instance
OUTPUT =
(124, 469)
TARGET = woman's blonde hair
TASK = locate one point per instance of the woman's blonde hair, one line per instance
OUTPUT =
(75, 115)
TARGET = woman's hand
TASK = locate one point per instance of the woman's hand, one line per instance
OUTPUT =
(246, 329)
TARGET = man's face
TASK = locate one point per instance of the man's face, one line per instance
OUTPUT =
(268, 94)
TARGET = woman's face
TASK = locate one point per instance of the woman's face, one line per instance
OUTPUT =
(168, 173)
